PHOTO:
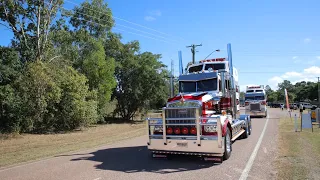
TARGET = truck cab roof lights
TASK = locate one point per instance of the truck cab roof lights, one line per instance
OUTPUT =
(213, 60)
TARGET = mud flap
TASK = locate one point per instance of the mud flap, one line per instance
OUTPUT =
(215, 159)
(159, 155)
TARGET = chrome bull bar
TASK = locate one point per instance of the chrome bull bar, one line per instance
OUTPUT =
(198, 123)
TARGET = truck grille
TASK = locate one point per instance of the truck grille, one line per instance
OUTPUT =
(255, 107)
(182, 114)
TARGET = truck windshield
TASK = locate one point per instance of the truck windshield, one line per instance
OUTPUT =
(204, 85)
(195, 69)
(254, 98)
(215, 66)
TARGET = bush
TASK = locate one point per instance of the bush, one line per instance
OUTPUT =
(57, 98)
(10, 103)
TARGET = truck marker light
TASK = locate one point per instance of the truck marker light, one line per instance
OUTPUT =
(193, 130)
(185, 130)
(177, 130)
(169, 130)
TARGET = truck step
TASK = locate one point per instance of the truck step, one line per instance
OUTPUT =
(214, 159)
(237, 135)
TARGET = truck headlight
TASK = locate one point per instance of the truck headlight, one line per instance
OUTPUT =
(158, 128)
(210, 128)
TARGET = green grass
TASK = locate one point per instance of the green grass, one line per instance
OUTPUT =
(298, 152)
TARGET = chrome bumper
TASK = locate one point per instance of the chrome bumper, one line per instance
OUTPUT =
(207, 147)
(190, 145)
(255, 113)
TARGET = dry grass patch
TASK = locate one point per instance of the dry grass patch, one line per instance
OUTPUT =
(298, 152)
(21, 148)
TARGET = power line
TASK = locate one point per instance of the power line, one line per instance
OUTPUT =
(143, 35)
(117, 24)
(124, 30)
(127, 21)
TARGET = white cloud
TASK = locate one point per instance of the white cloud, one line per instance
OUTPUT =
(297, 61)
(311, 62)
(313, 71)
(149, 18)
(274, 81)
(291, 74)
(308, 74)
(306, 40)
(155, 13)
(152, 14)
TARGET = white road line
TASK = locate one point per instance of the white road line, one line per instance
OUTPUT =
(97, 178)
(247, 169)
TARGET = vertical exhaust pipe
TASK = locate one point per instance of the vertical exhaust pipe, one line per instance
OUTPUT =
(233, 89)
(223, 83)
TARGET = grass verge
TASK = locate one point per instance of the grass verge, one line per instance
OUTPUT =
(298, 152)
(22, 148)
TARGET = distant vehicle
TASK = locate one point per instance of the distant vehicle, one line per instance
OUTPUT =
(294, 106)
(306, 105)
(256, 101)
(314, 107)
(275, 105)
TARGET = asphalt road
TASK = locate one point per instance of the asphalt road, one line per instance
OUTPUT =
(251, 159)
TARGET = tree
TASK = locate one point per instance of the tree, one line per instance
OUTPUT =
(30, 22)
(140, 81)
(10, 65)
(99, 69)
(268, 90)
(242, 95)
(95, 17)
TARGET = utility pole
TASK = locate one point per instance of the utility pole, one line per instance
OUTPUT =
(193, 51)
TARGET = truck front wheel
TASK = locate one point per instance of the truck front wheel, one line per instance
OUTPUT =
(227, 145)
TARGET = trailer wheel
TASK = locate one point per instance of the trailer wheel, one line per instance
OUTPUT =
(227, 145)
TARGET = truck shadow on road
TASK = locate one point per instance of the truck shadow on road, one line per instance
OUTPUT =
(138, 159)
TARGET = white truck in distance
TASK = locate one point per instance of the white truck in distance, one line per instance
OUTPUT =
(256, 101)
(203, 119)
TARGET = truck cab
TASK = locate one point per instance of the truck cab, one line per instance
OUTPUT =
(215, 65)
(256, 101)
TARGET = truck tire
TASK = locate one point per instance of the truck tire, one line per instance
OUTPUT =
(245, 135)
(250, 127)
(227, 145)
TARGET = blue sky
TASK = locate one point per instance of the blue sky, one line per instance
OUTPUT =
(271, 40)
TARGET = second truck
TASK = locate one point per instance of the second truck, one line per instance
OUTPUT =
(204, 118)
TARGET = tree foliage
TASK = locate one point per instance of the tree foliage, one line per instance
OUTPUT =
(140, 81)
(301, 91)
(64, 67)
(30, 22)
